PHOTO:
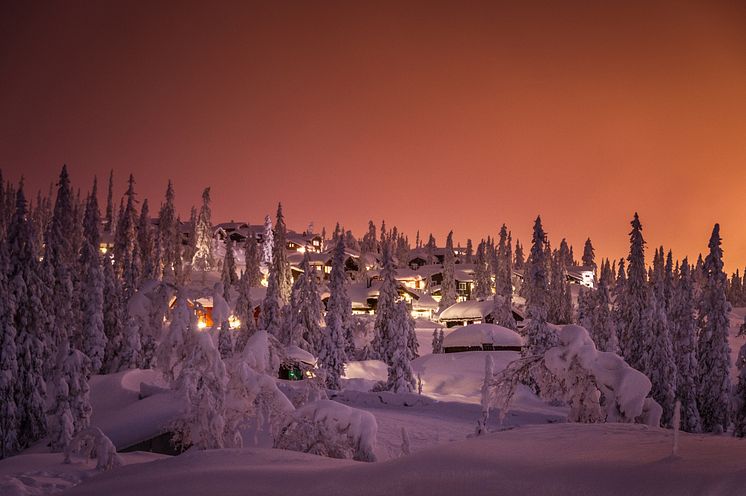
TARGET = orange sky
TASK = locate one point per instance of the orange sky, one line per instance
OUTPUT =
(432, 115)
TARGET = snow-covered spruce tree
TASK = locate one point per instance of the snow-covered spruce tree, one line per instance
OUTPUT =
(307, 310)
(539, 336)
(661, 368)
(244, 310)
(109, 217)
(268, 242)
(203, 259)
(714, 351)
(633, 316)
(334, 343)
(400, 376)
(28, 298)
(430, 248)
(370, 240)
(502, 266)
(739, 396)
(202, 382)
(387, 296)
(127, 261)
(482, 283)
(469, 257)
(559, 310)
(684, 337)
(146, 243)
(519, 260)
(486, 400)
(9, 414)
(603, 330)
(169, 241)
(113, 314)
(59, 260)
(176, 344)
(253, 260)
(93, 342)
(280, 280)
(70, 407)
(589, 254)
(229, 275)
(448, 286)
(436, 342)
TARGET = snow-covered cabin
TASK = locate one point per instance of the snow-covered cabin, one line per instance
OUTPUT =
(582, 274)
(473, 312)
(482, 337)
(297, 365)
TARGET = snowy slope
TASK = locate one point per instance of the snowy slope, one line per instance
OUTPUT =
(558, 459)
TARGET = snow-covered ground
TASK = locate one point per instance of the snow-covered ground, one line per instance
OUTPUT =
(533, 452)
(557, 459)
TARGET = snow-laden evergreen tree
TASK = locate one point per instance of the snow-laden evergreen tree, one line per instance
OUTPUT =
(469, 257)
(147, 244)
(307, 310)
(539, 336)
(127, 262)
(400, 376)
(93, 342)
(70, 406)
(268, 242)
(658, 350)
(338, 332)
(203, 259)
(169, 241)
(244, 310)
(280, 280)
(253, 260)
(113, 314)
(502, 266)
(589, 254)
(437, 343)
(633, 316)
(176, 344)
(684, 336)
(59, 260)
(387, 296)
(559, 309)
(229, 275)
(370, 240)
(448, 285)
(9, 414)
(109, 217)
(28, 297)
(486, 399)
(519, 257)
(714, 351)
(202, 382)
(482, 282)
(739, 396)
(430, 248)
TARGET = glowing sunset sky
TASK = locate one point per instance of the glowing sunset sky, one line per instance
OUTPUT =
(434, 115)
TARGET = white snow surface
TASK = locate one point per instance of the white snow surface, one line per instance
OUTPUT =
(559, 459)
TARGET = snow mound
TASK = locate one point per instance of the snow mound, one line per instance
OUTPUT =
(479, 334)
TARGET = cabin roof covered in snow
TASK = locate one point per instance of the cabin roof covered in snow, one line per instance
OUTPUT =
(479, 334)
(472, 309)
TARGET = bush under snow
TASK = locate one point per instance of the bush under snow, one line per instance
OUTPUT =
(331, 429)
(576, 372)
